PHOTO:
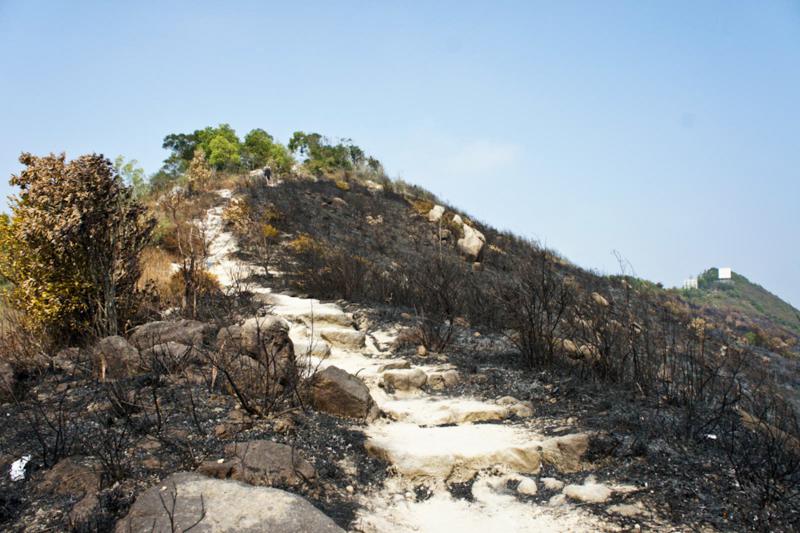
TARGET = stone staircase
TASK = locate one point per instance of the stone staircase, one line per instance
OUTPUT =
(433, 438)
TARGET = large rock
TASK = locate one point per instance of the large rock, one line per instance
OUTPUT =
(188, 332)
(435, 214)
(262, 333)
(261, 463)
(405, 379)
(115, 358)
(340, 393)
(472, 242)
(264, 339)
(189, 500)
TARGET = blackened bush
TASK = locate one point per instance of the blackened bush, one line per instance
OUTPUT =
(533, 300)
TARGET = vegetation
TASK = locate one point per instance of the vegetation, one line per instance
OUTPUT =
(743, 296)
(71, 245)
(90, 248)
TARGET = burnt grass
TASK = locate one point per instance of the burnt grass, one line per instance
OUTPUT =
(684, 482)
(86, 422)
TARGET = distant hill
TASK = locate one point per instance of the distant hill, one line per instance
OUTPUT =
(745, 301)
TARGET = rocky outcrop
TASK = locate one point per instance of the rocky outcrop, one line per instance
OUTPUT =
(340, 393)
(115, 358)
(435, 214)
(188, 332)
(189, 500)
(262, 463)
(471, 244)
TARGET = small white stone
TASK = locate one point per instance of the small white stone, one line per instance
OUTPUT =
(527, 487)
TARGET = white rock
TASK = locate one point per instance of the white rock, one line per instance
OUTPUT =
(429, 411)
(472, 242)
(589, 492)
(527, 487)
(551, 483)
(435, 214)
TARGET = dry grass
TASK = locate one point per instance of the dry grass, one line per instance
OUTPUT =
(158, 266)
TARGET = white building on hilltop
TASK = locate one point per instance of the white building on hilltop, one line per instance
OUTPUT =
(690, 283)
(725, 273)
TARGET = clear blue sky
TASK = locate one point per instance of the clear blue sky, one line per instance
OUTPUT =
(669, 131)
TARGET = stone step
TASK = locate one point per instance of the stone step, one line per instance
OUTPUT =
(452, 451)
(458, 452)
(428, 411)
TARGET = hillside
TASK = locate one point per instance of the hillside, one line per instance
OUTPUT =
(744, 304)
(369, 356)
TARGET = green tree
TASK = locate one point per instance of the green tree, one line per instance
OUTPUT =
(181, 147)
(222, 153)
(260, 149)
(257, 148)
(71, 245)
(133, 175)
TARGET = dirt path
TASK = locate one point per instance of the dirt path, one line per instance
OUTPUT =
(433, 440)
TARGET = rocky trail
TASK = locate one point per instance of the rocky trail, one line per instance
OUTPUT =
(456, 462)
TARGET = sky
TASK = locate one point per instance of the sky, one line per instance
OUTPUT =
(668, 132)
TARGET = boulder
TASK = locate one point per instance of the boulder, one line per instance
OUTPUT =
(261, 463)
(340, 393)
(257, 333)
(265, 339)
(189, 332)
(471, 244)
(405, 379)
(435, 214)
(190, 501)
(114, 358)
